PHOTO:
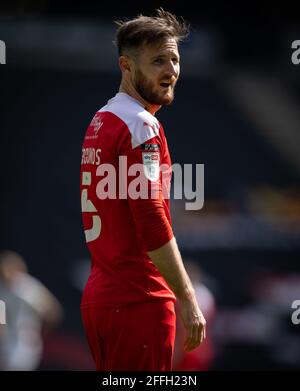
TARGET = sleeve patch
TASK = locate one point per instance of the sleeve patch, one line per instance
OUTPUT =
(150, 147)
(151, 165)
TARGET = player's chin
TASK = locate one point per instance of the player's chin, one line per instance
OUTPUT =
(167, 98)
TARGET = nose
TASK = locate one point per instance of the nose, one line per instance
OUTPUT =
(172, 70)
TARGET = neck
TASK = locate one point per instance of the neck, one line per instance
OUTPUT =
(130, 90)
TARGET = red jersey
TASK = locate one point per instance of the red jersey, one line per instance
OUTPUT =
(121, 227)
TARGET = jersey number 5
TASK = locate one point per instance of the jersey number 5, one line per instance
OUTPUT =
(87, 206)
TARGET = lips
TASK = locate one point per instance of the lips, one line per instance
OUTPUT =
(165, 85)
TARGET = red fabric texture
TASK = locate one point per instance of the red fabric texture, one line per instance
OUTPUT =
(136, 337)
(121, 271)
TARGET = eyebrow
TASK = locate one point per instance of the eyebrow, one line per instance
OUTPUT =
(164, 56)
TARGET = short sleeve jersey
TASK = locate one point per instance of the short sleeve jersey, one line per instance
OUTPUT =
(125, 177)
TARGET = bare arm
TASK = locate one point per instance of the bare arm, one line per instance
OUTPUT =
(169, 262)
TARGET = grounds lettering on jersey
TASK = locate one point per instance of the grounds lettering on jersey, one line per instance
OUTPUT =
(90, 156)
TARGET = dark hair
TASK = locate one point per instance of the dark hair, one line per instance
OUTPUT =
(134, 33)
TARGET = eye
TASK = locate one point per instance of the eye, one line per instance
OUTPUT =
(158, 61)
(175, 60)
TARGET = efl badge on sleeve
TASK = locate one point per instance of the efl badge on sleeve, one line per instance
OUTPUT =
(151, 165)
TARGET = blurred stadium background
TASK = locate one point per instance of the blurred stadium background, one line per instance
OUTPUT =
(236, 110)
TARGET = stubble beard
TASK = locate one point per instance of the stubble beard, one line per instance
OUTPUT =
(147, 91)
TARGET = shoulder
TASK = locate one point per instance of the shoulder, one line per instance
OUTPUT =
(141, 124)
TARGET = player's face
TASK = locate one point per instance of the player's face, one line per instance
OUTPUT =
(156, 72)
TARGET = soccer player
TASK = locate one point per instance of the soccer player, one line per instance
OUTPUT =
(136, 271)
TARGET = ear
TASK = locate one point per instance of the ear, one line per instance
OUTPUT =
(124, 63)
